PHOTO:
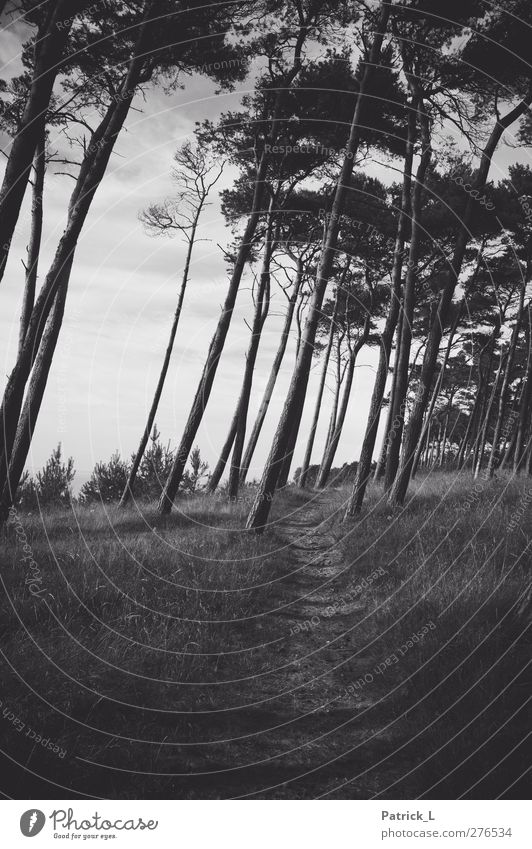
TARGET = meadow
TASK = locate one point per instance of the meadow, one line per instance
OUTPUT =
(183, 656)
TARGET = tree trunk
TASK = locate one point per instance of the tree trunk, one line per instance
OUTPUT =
(485, 421)
(213, 356)
(261, 313)
(438, 445)
(444, 438)
(399, 489)
(32, 403)
(399, 400)
(381, 464)
(368, 446)
(34, 247)
(494, 455)
(477, 417)
(91, 173)
(302, 480)
(420, 459)
(270, 386)
(289, 454)
(258, 322)
(528, 457)
(509, 453)
(525, 403)
(50, 43)
(129, 487)
(291, 415)
(219, 468)
(339, 379)
(218, 341)
(439, 384)
(331, 448)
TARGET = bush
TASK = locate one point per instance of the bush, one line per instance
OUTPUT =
(198, 471)
(50, 487)
(107, 482)
(154, 468)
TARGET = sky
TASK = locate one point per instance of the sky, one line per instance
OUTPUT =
(122, 297)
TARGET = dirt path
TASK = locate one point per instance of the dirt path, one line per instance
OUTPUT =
(298, 732)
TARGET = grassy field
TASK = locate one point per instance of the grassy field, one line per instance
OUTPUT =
(185, 657)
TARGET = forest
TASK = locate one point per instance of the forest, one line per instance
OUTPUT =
(305, 572)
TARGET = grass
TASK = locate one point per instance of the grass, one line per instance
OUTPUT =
(157, 654)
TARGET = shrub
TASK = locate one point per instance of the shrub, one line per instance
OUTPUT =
(107, 481)
(154, 468)
(50, 487)
(198, 470)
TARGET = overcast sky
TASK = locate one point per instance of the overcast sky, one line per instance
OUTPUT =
(123, 294)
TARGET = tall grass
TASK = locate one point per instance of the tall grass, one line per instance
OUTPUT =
(144, 648)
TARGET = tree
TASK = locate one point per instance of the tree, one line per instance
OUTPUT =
(237, 429)
(106, 482)
(198, 470)
(292, 298)
(296, 34)
(358, 309)
(53, 20)
(52, 486)
(412, 71)
(305, 466)
(144, 50)
(282, 447)
(195, 175)
(512, 71)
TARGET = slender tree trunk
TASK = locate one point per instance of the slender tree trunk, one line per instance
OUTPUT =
(293, 432)
(399, 489)
(494, 455)
(439, 383)
(399, 401)
(261, 313)
(477, 417)
(291, 415)
(129, 487)
(381, 464)
(258, 322)
(525, 403)
(32, 403)
(420, 461)
(91, 173)
(368, 446)
(270, 386)
(213, 357)
(34, 247)
(339, 379)
(302, 480)
(510, 449)
(483, 433)
(218, 341)
(219, 468)
(437, 444)
(49, 47)
(331, 448)
(444, 438)
(528, 457)
(425, 458)
(284, 474)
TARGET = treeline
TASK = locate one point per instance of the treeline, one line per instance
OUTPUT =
(431, 268)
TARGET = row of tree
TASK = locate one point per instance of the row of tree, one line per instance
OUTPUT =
(432, 270)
